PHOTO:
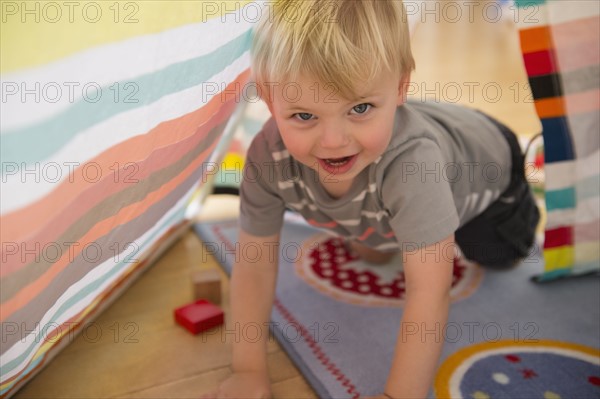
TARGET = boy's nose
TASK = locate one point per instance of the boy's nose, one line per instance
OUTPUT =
(334, 137)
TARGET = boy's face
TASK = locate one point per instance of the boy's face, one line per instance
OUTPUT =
(336, 137)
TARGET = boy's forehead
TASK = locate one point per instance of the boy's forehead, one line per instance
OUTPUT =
(306, 88)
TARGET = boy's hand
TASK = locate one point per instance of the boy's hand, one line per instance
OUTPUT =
(247, 384)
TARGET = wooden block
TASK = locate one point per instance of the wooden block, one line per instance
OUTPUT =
(207, 285)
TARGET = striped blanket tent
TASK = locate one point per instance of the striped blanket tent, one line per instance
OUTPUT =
(113, 117)
(560, 42)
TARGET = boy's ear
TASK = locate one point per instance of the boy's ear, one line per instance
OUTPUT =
(265, 96)
(403, 88)
(269, 103)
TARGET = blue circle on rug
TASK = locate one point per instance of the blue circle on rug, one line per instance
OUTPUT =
(531, 375)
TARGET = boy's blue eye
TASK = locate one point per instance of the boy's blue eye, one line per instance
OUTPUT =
(305, 116)
(361, 108)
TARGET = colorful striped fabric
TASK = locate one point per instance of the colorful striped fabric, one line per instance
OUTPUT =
(560, 42)
(111, 113)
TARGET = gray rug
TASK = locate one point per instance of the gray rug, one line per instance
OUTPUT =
(506, 337)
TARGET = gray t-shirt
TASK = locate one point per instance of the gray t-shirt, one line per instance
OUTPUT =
(445, 164)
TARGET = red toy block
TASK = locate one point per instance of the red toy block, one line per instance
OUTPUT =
(199, 316)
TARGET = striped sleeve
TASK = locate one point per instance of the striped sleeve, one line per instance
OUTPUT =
(261, 206)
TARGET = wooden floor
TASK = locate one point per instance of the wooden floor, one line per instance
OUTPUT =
(134, 348)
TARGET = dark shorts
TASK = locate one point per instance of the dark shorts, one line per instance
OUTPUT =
(505, 231)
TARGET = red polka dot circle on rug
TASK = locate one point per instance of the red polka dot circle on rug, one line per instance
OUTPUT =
(328, 266)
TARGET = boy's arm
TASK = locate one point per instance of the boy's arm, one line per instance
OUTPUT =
(252, 293)
(252, 290)
(428, 274)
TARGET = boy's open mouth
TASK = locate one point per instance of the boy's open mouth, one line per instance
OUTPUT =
(337, 162)
(338, 165)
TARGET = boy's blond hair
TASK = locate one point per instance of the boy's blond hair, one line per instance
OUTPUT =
(342, 42)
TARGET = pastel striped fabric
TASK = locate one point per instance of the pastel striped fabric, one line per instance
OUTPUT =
(560, 46)
(111, 113)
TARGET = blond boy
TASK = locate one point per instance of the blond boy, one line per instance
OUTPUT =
(344, 149)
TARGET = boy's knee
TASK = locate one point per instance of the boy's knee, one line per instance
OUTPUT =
(371, 255)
